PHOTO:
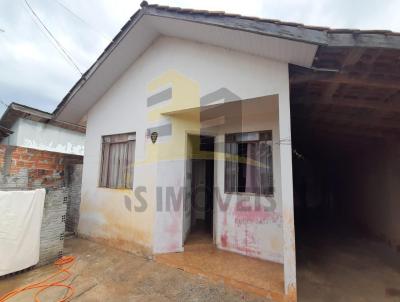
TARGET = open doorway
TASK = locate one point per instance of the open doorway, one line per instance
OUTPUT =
(199, 203)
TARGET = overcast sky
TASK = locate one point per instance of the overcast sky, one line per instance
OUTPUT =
(33, 72)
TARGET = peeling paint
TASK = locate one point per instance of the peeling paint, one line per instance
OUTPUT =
(252, 215)
(291, 294)
(40, 136)
(162, 164)
(224, 240)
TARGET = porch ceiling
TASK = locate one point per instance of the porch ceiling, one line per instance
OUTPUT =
(230, 113)
(349, 94)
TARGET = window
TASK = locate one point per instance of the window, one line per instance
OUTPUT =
(117, 159)
(248, 163)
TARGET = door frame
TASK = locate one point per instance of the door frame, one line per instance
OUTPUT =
(187, 161)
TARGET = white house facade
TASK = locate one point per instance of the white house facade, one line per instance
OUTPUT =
(188, 125)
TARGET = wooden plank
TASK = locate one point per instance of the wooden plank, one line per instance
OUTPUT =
(344, 130)
(328, 140)
(349, 103)
(329, 92)
(335, 120)
(353, 56)
(389, 101)
(345, 78)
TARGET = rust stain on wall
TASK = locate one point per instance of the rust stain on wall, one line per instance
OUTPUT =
(291, 295)
(121, 244)
(224, 240)
(115, 226)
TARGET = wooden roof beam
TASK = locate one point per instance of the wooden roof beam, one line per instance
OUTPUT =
(393, 105)
(351, 59)
(316, 127)
(345, 78)
(348, 121)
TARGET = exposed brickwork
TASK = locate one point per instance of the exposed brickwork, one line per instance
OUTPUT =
(40, 168)
(60, 174)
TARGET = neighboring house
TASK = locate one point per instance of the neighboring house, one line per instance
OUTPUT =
(36, 129)
(38, 152)
(182, 97)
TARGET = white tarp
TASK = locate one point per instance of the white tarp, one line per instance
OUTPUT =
(21, 215)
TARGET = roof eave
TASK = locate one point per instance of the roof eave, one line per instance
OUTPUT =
(92, 69)
(320, 36)
(15, 111)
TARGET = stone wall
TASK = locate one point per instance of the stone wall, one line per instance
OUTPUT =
(60, 175)
(53, 225)
(73, 179)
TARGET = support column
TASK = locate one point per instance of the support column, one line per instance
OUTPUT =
(285, 147)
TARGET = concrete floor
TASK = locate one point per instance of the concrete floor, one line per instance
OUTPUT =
(105, 274)
(201, 257)
(330, 269)
(343, 268)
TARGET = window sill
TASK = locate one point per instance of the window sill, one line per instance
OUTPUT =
(115, 189)
(249, 194)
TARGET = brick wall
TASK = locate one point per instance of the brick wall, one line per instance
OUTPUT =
(31, 168)
(24, 169)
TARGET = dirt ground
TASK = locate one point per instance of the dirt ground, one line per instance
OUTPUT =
(343, 268)
(201, 257)
(330, 269)
(105, 274)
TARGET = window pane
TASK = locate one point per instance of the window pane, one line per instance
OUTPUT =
(266, 171)
(114, 167)
(248, 136)
(252, 171)
(130, 161)
(119, 138)
(242, 165)
(104, 165)
(117, 161)
(249, 168)
(253, 168)
(231, 153)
